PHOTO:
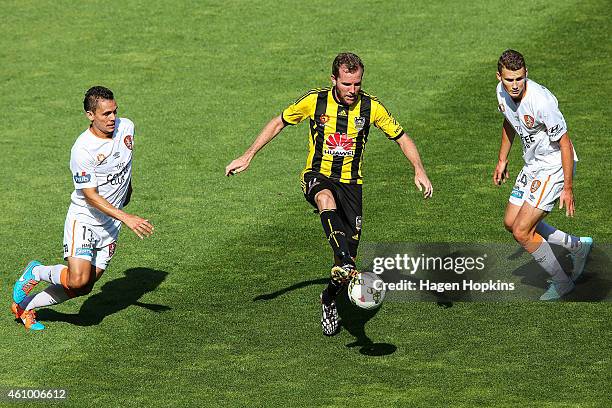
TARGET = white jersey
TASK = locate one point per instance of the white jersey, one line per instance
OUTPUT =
(538, 122)
(105, 164)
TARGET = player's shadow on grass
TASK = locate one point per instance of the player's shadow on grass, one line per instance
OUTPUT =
(353, 318)
(592, 286)
(113, 297)
(299, 285)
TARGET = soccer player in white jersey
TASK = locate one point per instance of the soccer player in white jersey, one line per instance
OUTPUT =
(531, 112)
(101, 166)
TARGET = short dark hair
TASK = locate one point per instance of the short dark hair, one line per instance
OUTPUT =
(348, 59)
(93, 95)
(511, 60)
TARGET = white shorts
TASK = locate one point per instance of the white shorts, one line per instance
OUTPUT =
(93, 243)
(539, 188)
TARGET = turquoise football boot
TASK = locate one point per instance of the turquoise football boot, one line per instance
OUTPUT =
(28, 318)
(25, 283)
(557, 289)
(579, 258)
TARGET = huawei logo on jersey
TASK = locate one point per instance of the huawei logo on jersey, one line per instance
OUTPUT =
(339, 144)
(529, 121)
(128, 141)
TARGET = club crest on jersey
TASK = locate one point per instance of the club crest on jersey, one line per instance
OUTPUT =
(339, 144)
(535, 185)
(529, 121)
(359, 123)
(324, 118)
(128, 141)
(100, 157)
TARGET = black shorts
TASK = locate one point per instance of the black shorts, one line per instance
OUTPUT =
(348, 203)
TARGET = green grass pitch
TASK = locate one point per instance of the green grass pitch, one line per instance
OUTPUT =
(175, 321)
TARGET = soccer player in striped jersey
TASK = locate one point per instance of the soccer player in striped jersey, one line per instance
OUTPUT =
(531, 112)
(340, 118)
(101, 164)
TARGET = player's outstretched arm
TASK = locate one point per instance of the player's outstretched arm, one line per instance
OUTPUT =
(500, 175)
(567, 161)
(412, 154)
(268, 133)
(140, 226)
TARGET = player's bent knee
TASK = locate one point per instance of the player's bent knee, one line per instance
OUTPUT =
(78, 283)
(520, 235)
(81, 289)
(325, 200)
(508, 225)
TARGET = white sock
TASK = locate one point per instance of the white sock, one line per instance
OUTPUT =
(49, 274)
(53, 295)
(558, 237)
(547, 260)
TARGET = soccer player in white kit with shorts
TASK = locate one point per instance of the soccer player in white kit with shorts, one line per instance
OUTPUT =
(531, 112)
(101, 166)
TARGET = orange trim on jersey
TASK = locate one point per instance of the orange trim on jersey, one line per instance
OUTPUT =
(72, 247)
(542, 193)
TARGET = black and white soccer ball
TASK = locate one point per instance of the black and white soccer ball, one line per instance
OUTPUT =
(366, 290)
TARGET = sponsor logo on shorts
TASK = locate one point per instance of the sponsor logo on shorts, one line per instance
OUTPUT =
(82, 178)
(128, 141)
(84, 251)
(535, 185)
(517, 192)
(359, 123)
(339, 144)
(311, 184)
(529, 121)
(531, 197)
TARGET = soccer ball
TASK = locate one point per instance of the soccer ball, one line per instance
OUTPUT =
(366, 290)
